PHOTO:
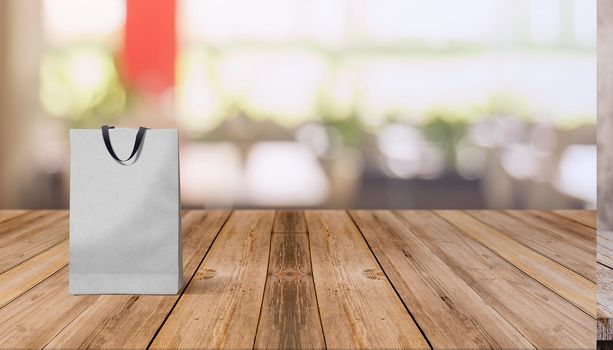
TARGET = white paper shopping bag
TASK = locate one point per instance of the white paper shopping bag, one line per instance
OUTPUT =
(125, 219)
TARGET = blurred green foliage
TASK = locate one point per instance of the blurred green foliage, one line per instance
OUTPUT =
(445, 132)
(81, 84)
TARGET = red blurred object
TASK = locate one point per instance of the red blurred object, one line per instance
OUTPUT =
(150, 45)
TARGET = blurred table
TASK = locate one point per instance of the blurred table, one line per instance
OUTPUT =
(316, 279)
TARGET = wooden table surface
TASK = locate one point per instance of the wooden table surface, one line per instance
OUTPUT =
(316, 279)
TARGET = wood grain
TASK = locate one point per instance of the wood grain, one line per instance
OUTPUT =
(449, 311)
(320, 279)
(221, 305)
(131, 321)
(546, 242)
(289, 221)
(605, 329)
(605, 291)
(605, 248)
(27, 235)
(563, 224)
(547, 320)
(20, 278)
(38, 315)
(588, 218)
(12, 228)
(21, 220)
(567, 283)
(358, 306)
(571, 229)
(290, 317)
(7, 214)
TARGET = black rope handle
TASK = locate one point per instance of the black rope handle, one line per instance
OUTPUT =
(107, 141)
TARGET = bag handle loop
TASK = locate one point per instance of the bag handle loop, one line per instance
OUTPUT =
(137, 143)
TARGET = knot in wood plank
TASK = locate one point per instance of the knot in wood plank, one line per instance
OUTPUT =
(373, 274)
(290, 274)
(206, 274)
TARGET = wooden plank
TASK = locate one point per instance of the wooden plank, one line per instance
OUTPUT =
(567, 283)
(543, 317)
(21, 238)
(12, 228)
(546, 242)
(575, 232)
(34, 318)
(290, 317)
(221, 305)
(7, 214)
(358, 305)
(21, 278)
(588, 218)
(289, 221)
(128, 321)
(605, 303)
(450, 313)
(605, 291)
(605, 294)
(605, 248)
(604, 329)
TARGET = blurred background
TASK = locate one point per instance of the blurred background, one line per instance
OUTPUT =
(311, 103)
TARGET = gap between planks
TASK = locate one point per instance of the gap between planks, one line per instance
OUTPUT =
(35, 270)
(8, 214)
(35, 265)
(99, 325)
(544, 317)
(289, 317)
(68, 330)
(358, 305)
(29, 234)
(450, 313)
(228, 311)
(605, 248)
(568, 284)
(391, 282)
(191, 278)
(543, 239)
(588, 218)
(306, 232)
(605, 291)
